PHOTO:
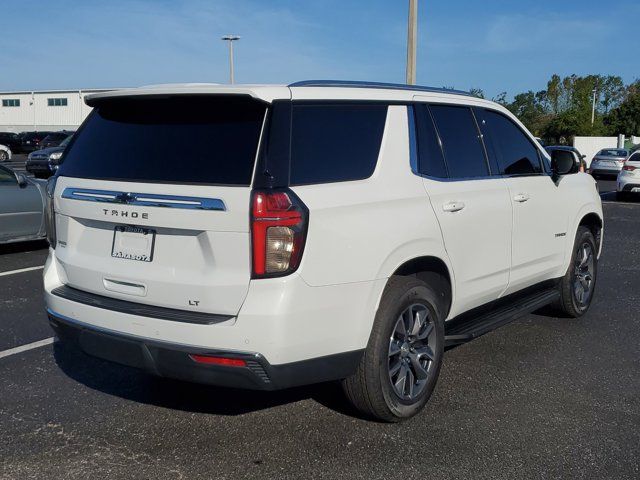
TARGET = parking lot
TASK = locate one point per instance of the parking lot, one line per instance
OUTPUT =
(542, 397)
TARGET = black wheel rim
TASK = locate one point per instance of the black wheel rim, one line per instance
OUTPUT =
(412, 348)
(584, 274)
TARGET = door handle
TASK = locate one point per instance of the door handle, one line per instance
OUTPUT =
(521, 197)
(453, 206)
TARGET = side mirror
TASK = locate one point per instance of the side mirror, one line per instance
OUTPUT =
(22, 180)
(563, 162)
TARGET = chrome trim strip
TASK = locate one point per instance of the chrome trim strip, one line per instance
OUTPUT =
(144, 199)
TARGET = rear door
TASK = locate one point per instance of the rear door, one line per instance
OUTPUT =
(540, 206)
(472, 207)
(152, 201)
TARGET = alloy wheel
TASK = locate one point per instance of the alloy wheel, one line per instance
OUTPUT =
(584, 274)
(411, 351)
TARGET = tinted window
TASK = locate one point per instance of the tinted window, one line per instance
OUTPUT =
(515, 153)
(430, 158)
(335, 143)
(195, 139)
(461, 143)
(613, 153)
(635, 157)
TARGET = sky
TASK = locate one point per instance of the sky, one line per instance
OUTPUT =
(495, 45)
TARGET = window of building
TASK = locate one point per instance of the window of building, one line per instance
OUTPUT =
(57, 102)
(11, 102)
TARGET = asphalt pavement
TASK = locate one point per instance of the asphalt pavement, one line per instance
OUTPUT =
(17, 162)
(542, 397)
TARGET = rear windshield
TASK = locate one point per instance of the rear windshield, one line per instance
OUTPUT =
(195, 139)
(613, 153)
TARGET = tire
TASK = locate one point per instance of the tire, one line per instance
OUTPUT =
(4, 156)
(577, 287)
(399, 344)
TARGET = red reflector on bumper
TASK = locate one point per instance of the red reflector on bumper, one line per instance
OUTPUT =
(224, 361)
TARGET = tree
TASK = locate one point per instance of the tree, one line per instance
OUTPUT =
(501, 98)
(530, 111)
(611, 92)
(625, 118)
(477, 92)
(554, 93)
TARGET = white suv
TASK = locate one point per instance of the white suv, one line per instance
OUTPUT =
(271, 236)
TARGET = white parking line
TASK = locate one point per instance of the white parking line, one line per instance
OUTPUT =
(28, 346)
(21, 270)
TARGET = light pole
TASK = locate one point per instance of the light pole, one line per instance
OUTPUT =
(231, 39)
(593, 107)
(412, 35)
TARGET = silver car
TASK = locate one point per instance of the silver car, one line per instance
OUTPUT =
(22, 204)
(608, 161)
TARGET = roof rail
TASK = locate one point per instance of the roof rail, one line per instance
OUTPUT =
(382, 85)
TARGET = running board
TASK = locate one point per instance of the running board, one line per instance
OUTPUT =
(469, 326)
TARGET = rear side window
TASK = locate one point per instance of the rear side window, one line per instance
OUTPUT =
(335, 142)
(180, 139)
(515, 153)
(430, 158)
(463, 150)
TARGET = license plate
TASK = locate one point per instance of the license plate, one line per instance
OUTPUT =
(133, 243)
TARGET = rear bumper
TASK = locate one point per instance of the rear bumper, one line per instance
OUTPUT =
(626, 183)
(297, 333)
(605, 171)
(171, 360)
(37, 167)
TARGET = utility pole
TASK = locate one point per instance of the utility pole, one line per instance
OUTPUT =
(593, 107)
(231, 39)
(412, 37)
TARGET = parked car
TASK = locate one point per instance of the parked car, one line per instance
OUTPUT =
(5, 153)
(608, 161)
(578, 157)
(10, 140)
(54, 139)
(22, 202)
(628, 182)
(30, 141)
(367, 228)
(44, 163)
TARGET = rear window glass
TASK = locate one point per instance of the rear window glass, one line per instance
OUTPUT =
(613, 153)
(335, 143)
(194, 139)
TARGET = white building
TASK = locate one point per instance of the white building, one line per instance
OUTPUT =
(43, 110)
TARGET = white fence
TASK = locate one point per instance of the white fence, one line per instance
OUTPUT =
(589, 146)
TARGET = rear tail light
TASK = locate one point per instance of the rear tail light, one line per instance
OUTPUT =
(224, 361)
(629, 168)
(50, 214)
(278, 231)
